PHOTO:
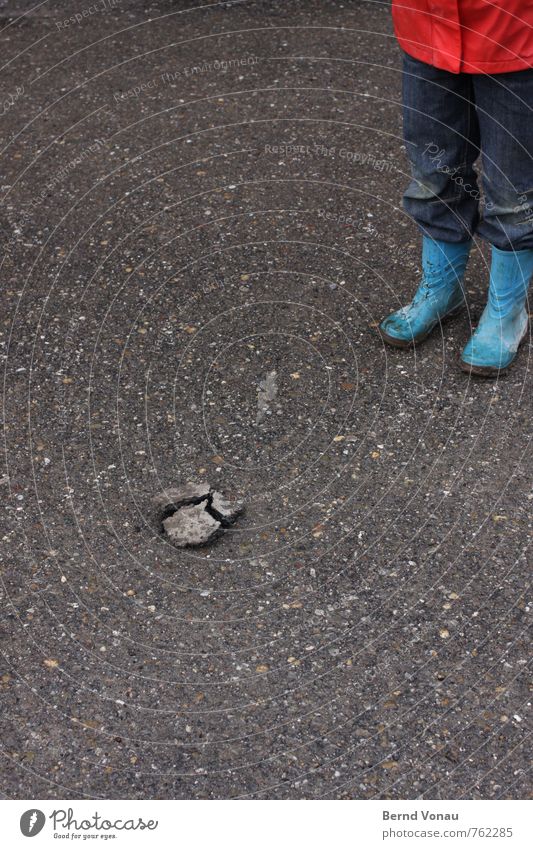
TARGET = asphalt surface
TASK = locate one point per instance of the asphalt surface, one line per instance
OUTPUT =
(201, 228)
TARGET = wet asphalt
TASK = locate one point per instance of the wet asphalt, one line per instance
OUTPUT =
(201, 226)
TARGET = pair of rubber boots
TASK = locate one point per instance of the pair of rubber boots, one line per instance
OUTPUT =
(504, 323)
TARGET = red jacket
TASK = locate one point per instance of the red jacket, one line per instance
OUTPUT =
(472, 36)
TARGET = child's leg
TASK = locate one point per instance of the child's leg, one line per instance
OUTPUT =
(505, 108)
(441, 133)
(505, 114)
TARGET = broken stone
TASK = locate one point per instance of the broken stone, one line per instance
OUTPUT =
(192, 525)
(226, 511)
(172, 499)
(195, 514)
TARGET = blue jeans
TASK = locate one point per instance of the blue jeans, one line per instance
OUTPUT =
(449, 120)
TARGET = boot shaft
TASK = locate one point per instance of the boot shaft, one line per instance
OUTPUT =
(443, 263)
(510, 274)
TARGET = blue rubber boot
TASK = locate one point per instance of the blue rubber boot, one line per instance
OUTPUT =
(439, 296)
(504, 322)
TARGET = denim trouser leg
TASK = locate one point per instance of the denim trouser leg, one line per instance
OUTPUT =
(447, 118)
(505, 114)
(441, 133)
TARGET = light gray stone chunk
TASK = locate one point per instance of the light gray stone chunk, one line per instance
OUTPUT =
(181, 495)
(194, 514)
(228, 510)
(192, 525)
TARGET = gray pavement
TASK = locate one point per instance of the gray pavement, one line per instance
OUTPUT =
(201, 229)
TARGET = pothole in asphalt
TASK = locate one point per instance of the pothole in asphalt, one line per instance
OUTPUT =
(196, 514)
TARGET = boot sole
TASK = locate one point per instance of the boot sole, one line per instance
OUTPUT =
(412, 343)
(491, 371)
